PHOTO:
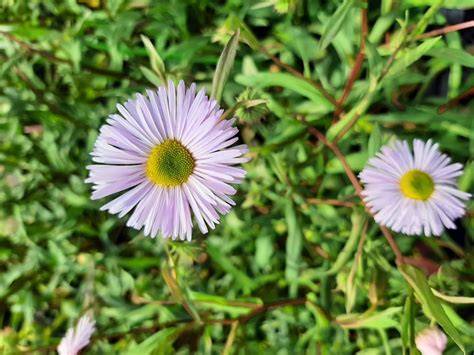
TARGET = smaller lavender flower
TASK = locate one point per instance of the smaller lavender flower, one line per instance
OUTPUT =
(413, 193)
(431, 341)
(78, 337)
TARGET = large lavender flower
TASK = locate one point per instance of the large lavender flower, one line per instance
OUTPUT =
(168, 154)
(413, 194)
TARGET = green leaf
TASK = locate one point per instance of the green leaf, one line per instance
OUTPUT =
(335, 23)
(448, 4)
(453, 56)
(386, 6)
(375, 141)
(224, 66)
(422, 23)
(222, 304)
(150, 76)
(245, 282)
(159, 343)
(408, 324)
(458, 322)
(301, 43)
(370, 320)
(156, 62)
(356, 161)
(287, 81)
(233, 23)
(375, 61)
(357, 221)
(453, 299)
(381, 26)
(263, 251)
(351, 285)
(294, 246)
(430, 302)
(410, 56)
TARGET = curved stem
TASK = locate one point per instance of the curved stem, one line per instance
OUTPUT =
(356, 69)
(358, 188)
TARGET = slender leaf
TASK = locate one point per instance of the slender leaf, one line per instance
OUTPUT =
(410, 56)
(335, 23)
(224, 66)
(453, 55)
(375, 141)
(287, 81)
(294, 246)
(407, 326)
(453, 299)
(418, 282)
(156, 62)
(159, 343)
(370, 320)
(151, 76)
(357, 221)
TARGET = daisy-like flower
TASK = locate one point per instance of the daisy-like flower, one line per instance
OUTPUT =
(413, 193)
(169, 157)
(431, 341)
(78, 337)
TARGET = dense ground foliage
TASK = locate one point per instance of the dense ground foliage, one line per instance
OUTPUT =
(297, 266)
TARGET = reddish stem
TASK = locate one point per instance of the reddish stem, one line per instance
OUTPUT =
(358, 188)
(447, 29)
(356, 69)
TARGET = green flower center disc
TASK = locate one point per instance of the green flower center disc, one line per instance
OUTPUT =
(170, 164)
(417, 185)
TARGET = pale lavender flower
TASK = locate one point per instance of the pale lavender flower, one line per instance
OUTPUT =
(78, 337)
(431, 341)
(169, 156)
(413, 193)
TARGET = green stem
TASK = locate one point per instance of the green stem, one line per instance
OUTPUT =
(187, 302)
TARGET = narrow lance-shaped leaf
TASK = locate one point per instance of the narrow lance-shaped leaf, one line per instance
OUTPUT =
(426, 18)
(375, 140)
(407, 326)
(370, 320)
(159, 343)
(151, 76)
(156, 62)
(224, 66)
(287, 81)
(375, 61)
(410, 56)
(453, 56)
(357, 221)
(351, 286)
(294, 246)
(430, 302)
(335, 23)
(459, 323)
(234, 23)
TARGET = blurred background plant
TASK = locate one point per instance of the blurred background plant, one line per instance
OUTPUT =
(296, 268)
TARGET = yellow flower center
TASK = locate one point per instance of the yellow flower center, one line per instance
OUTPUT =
(170, 164)
(417, 185)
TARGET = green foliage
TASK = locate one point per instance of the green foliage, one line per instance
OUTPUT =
(300, 274)
(224, 66)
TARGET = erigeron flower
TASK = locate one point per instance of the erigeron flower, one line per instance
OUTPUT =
(413, 193)
(431, 341)
(77, 337)
(169, 156)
